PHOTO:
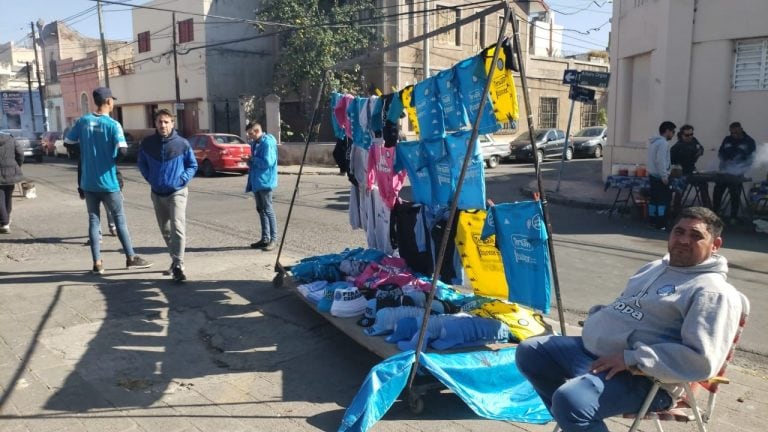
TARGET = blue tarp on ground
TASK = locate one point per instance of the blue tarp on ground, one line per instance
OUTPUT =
(487, 381)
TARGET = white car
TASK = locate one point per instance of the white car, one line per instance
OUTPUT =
(59, 149)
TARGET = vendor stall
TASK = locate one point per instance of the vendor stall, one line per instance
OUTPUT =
(419, 296)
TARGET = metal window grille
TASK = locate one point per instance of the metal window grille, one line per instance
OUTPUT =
(589, 114)
(548, 112)
(445, 17)
(750, 69)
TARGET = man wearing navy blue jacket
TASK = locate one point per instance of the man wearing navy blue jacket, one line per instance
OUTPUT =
(168, 164)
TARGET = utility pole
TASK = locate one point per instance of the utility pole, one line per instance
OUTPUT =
(426, 40)
(103, 45)
(29, 89)
(39, 83)
(178, 105)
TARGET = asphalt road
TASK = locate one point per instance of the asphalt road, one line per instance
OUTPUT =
(314, 369)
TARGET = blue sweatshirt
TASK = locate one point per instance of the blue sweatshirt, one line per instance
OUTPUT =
(263, 172)
(167, 163)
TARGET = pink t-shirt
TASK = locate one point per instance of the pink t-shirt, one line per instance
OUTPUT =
(340, 111)
(381, 173)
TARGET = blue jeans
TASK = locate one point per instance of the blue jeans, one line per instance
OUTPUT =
(266, 215)
(113, 201)
(558, 367)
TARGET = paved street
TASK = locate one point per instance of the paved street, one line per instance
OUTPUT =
(130, 351)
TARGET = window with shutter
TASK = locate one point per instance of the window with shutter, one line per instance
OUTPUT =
(750, 70)
(186, 31)
(144, 42)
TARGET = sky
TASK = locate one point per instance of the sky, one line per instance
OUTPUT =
(579, 17)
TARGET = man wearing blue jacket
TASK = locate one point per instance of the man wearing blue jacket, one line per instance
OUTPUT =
(262, 180)
(168, 164)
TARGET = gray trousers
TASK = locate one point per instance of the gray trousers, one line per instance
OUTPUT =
(171, 213)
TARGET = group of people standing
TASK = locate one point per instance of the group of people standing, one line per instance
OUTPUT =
(735, 156)
(167, 162)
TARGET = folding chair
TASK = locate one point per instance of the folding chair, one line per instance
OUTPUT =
(687, 408)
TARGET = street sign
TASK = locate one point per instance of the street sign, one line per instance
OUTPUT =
(570, 76)
(594, 79)
(581, 94)
(179, 105)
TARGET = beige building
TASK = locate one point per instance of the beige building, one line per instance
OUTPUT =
(702, 62)
(61, 42)
(215, 61)
(549, 97)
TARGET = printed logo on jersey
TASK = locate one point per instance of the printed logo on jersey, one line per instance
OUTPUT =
(666, 290)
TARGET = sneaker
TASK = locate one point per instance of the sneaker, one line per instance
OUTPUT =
(259, 244)
(178, 274)
(98, 269)
(112, 230)
(269, 246)
(169, 271)
(137, 262)
(5, 229)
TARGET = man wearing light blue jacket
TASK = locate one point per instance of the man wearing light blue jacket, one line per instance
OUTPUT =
(262, 180)
(168, 164)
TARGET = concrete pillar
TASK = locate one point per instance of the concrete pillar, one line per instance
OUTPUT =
(272, 110)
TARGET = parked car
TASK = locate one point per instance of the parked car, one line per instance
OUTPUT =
(133, 138)
(48, 141)
(493, 151)
(590, 141)
(59, 148)
(28, 141)
(217, 152)
(549, 143)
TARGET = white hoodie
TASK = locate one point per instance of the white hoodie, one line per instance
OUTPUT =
(676, 324)
(658, 157)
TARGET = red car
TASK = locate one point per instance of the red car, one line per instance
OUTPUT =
(216, 152)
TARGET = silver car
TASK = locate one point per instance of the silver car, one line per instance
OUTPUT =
(589, 142)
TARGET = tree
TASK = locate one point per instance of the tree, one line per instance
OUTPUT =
(314, 36)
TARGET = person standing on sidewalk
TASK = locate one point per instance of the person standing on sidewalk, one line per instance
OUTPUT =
(659, 169)
(11, 159)
(262, 180)
(168, 164)
(101, 141)
(736, 154)
(675, 321)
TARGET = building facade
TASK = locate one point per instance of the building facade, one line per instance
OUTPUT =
(701, 62)
(214, 62)
(19, 97)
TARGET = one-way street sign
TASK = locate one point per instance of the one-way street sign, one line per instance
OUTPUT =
(581, 94)
(570, 76)
(594, 79)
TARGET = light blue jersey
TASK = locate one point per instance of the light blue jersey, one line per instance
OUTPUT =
(472, 194)
(410, 157)
(454, 114)
(439, 170)
(522, 238)
(99, 137)
(428, 110)
(471, 77)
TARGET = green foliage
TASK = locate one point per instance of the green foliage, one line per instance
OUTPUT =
(322, 33)
(602, 116)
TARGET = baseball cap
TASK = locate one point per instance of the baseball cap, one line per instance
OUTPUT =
(369, 316)
(101, 94)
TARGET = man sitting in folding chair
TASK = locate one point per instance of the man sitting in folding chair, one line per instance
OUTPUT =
(675, 322)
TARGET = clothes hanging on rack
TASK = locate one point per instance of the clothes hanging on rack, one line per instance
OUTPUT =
(522, 238)
(480, 258)
(381, 173)
(502, 91)
(428, 111)
(472, 194)
(410, 157)
(454, 113)
(471, 79)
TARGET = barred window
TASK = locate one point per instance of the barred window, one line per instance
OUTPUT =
(589, 114)
(750, 69)
(447, 16)
(548, 112)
